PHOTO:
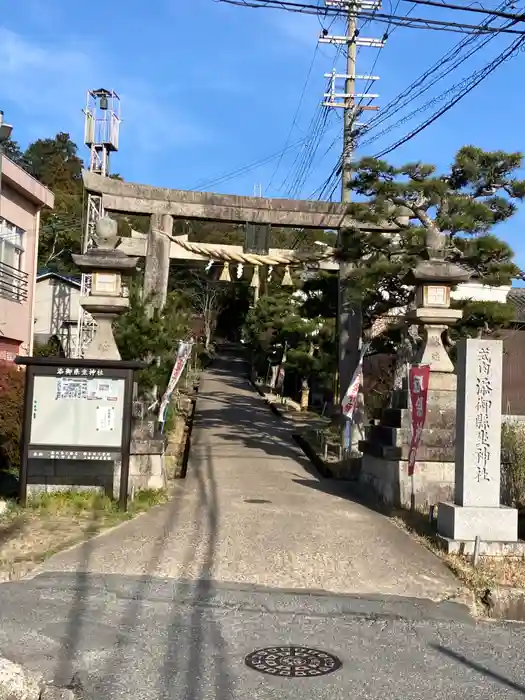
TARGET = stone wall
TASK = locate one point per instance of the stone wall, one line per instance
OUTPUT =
(384, 465)
(50, 475)
(389, 480)
(146, 465)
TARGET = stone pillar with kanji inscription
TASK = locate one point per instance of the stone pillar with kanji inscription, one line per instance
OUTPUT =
(476, 511)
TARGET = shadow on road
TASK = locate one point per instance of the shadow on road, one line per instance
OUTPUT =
(195, 653)
(479, 668)
(185, 644)
(203, 632)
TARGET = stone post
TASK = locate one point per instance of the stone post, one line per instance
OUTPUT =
(106, 263)
(476, 511)
(157, 269)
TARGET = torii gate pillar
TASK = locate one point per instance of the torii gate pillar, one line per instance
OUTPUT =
(157, 267)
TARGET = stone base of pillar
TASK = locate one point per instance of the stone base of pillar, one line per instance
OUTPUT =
(389, 481)
(387, 446)
(146, 467)
(465, 523)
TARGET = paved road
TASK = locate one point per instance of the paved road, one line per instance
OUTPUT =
(168, 606)
(253, 511)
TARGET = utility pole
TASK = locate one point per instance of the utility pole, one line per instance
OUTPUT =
(349, 314)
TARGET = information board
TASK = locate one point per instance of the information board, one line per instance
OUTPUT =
(85, 410)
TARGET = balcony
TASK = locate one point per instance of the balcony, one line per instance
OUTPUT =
(13, 283)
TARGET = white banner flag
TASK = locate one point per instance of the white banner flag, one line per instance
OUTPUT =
(183, 354)
(349, 401)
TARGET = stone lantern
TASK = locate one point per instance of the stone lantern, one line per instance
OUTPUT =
(106, 265)
(387, 445)
(433, 280)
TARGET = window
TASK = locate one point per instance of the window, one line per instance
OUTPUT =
(11, 244)
(13, 281)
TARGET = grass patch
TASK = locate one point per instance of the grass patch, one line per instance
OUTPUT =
(490, 572)
(53, 521)
(86, 504)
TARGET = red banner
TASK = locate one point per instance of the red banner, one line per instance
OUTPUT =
(418, 378)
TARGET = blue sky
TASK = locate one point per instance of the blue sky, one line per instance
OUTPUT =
(208, 89)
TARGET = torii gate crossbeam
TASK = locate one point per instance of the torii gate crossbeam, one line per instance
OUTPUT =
(131, 198)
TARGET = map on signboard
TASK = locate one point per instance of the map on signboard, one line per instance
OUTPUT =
(77, 411)
(75, 388)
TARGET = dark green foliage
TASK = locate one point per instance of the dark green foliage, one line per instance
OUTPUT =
(55, 163)
(281, 318)
(12, 150)
(11, 414)
(321, 294)
(482, 317)
(152, 339)
(235, 306)
(52, 348)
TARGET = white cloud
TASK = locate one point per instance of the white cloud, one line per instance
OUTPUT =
(39, 79)
(300, 29)
(47, 85)
(153, 126)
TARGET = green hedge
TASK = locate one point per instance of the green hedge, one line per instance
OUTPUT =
(12, 380)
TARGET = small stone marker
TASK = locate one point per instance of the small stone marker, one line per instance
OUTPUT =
(477, 510)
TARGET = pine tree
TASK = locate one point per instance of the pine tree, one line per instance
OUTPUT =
(140, 336)
(282, 319)
(447, 216)
(12, 150)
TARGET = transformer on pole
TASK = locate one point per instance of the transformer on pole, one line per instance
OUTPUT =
(101, 136)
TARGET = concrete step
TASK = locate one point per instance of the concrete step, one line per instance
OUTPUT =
(436, 415)
(400, 452)
(431, 437)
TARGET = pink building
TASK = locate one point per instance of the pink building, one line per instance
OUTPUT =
(21, 200)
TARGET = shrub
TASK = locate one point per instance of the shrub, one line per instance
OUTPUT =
(513, 464)
(205, 356)
(11, 414)
(52, 348)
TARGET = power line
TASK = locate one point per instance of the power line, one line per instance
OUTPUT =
(302, 156)
(439, 98)
(454, 54)
(403, 21)
(310, 151)
(336, 171)
(422, 108)
(517, 46)
(297, 111)
(311, 129)
(307, 163)
(470, 8)
(246, 168)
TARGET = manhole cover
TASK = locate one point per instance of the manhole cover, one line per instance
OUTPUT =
(293, 662)
(256, 500)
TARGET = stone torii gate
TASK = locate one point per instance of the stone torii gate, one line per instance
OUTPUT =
(163, 205)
